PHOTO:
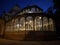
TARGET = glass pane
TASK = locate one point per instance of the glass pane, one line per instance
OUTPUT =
(8, 26)
(45, 24)
(51, 25)
(38, 23)
(37, 10)
(32, 10)
(15, 25)
(29, 23)
(22, 24)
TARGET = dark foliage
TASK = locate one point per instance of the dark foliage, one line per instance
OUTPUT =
(57, 15)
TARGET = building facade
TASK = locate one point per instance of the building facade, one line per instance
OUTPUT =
(2, 22)
(30, 23)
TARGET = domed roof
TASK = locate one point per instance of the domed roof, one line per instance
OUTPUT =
(32, 6)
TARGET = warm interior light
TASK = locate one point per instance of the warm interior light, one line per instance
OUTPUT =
(40, 17)
(30, 12)
(20, 25)
(30, 21)
(26, 22)
(17, 25)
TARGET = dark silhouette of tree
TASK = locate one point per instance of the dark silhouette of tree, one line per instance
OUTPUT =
(57, 14)
(56, 4)
(50, 10)
(3, 14)
(15, 9)
(57, 7)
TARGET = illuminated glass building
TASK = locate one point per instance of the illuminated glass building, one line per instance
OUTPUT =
(30, 23)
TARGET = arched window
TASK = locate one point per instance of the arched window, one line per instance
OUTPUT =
(51, 25)
(37, 10)
(29, 23)
(45, 24)
(38, 23)
(27, 11)
(16, 26)
(11, 26)
(8, 26)
(33, 10)
(22, 24)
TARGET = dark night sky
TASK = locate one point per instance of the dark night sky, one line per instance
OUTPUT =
(8, 4)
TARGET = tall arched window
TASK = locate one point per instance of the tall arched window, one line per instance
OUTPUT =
(8, 26)
(11, 26)
(38, 23)
(22, 24)
(45, 24)
(29, 23)
(51, 25)
(16, 25)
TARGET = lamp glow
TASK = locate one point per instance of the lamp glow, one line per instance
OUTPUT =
(40, 17)
(30, 12)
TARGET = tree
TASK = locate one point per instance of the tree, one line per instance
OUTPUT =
(50, 10)
(57, 6)
(57, 15)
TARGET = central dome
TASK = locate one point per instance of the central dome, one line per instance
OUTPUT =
(31, 9)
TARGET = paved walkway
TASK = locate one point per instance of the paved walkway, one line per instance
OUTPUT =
(13, 42)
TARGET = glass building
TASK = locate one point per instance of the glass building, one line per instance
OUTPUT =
(30, 24)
